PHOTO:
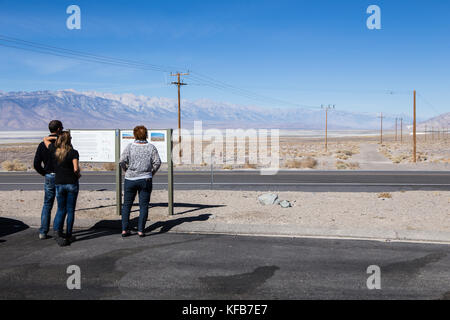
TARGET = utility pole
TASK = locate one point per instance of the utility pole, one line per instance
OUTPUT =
(381, 128)
(396, 129)
(425, 133)
(401, 130)
(326, 124)
(414, 130)
(179, 84)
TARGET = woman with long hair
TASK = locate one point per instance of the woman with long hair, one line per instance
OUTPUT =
(67, 172)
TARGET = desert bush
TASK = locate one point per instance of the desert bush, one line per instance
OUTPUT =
(250, 166)
(341, 165)
(228, 167)
(307, 162)
(14, 165)
(109, 166)
(342, 156)
(346, 152)
(384, 195)
(353, 165)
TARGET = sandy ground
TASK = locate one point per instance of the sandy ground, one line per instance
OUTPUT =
(349, 153)
(411, 210)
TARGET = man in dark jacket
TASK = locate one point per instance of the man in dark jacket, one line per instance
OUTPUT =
(43, 157)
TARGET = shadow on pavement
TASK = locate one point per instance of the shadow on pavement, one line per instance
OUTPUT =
(166, 226)
(193, 206)
(114, 227)
(94, 208)
(10, 226)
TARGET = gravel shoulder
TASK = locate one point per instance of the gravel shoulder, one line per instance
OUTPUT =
(424, 213)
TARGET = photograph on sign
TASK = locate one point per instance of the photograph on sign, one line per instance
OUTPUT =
(94, 145)
(156, 137)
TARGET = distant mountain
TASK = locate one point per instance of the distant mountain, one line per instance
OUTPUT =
(33, 110)
(440, 122)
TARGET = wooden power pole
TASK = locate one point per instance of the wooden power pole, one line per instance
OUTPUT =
(401, 130)
(426, 131)
(396, 129)
(179, 84)
(414, 130)
(326, 124)
(381, 128)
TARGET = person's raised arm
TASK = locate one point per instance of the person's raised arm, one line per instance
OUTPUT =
(49, 140)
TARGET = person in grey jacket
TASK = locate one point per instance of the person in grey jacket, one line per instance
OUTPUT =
(140, 161)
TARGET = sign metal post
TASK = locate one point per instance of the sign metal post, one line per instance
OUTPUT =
(170, 171)
(118, 176)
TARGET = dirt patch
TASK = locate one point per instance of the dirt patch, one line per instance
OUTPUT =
(412, 210)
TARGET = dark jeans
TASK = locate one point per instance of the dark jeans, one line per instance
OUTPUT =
(49, 199)
(131, 187)
(66, 195)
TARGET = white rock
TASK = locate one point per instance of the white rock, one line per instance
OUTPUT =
(285, 204)
(268, 199)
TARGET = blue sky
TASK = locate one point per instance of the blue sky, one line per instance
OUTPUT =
(305, 52)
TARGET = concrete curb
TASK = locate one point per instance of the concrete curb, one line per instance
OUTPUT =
(281, 231)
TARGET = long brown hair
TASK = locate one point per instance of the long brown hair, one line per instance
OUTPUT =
(63, 146)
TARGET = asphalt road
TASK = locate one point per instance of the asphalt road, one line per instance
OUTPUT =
(189, 266)
(245, 180)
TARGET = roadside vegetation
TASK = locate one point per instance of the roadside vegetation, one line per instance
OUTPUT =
(14, 165)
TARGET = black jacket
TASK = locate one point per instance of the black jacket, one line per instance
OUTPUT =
(43, 156)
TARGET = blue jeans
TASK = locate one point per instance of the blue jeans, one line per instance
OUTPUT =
(49, 199)
(66, 195)
(131, 187)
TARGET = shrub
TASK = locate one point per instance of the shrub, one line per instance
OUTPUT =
(14, 165)
(342, 156)
(341, 165)
(346, 152)
(250, 166)
(384, 195)
(109, 166)
(353, 165)
(307, 162)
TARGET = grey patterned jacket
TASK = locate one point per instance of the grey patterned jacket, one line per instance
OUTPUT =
(140, 160)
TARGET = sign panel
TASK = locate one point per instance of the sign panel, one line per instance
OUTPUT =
(156, 137)
(94, 145)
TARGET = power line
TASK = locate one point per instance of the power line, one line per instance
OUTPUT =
(20, 44)
(429, 104)
(198, 78)
(69, 53)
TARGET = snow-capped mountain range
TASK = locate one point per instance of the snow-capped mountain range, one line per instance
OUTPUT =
(33, 111)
